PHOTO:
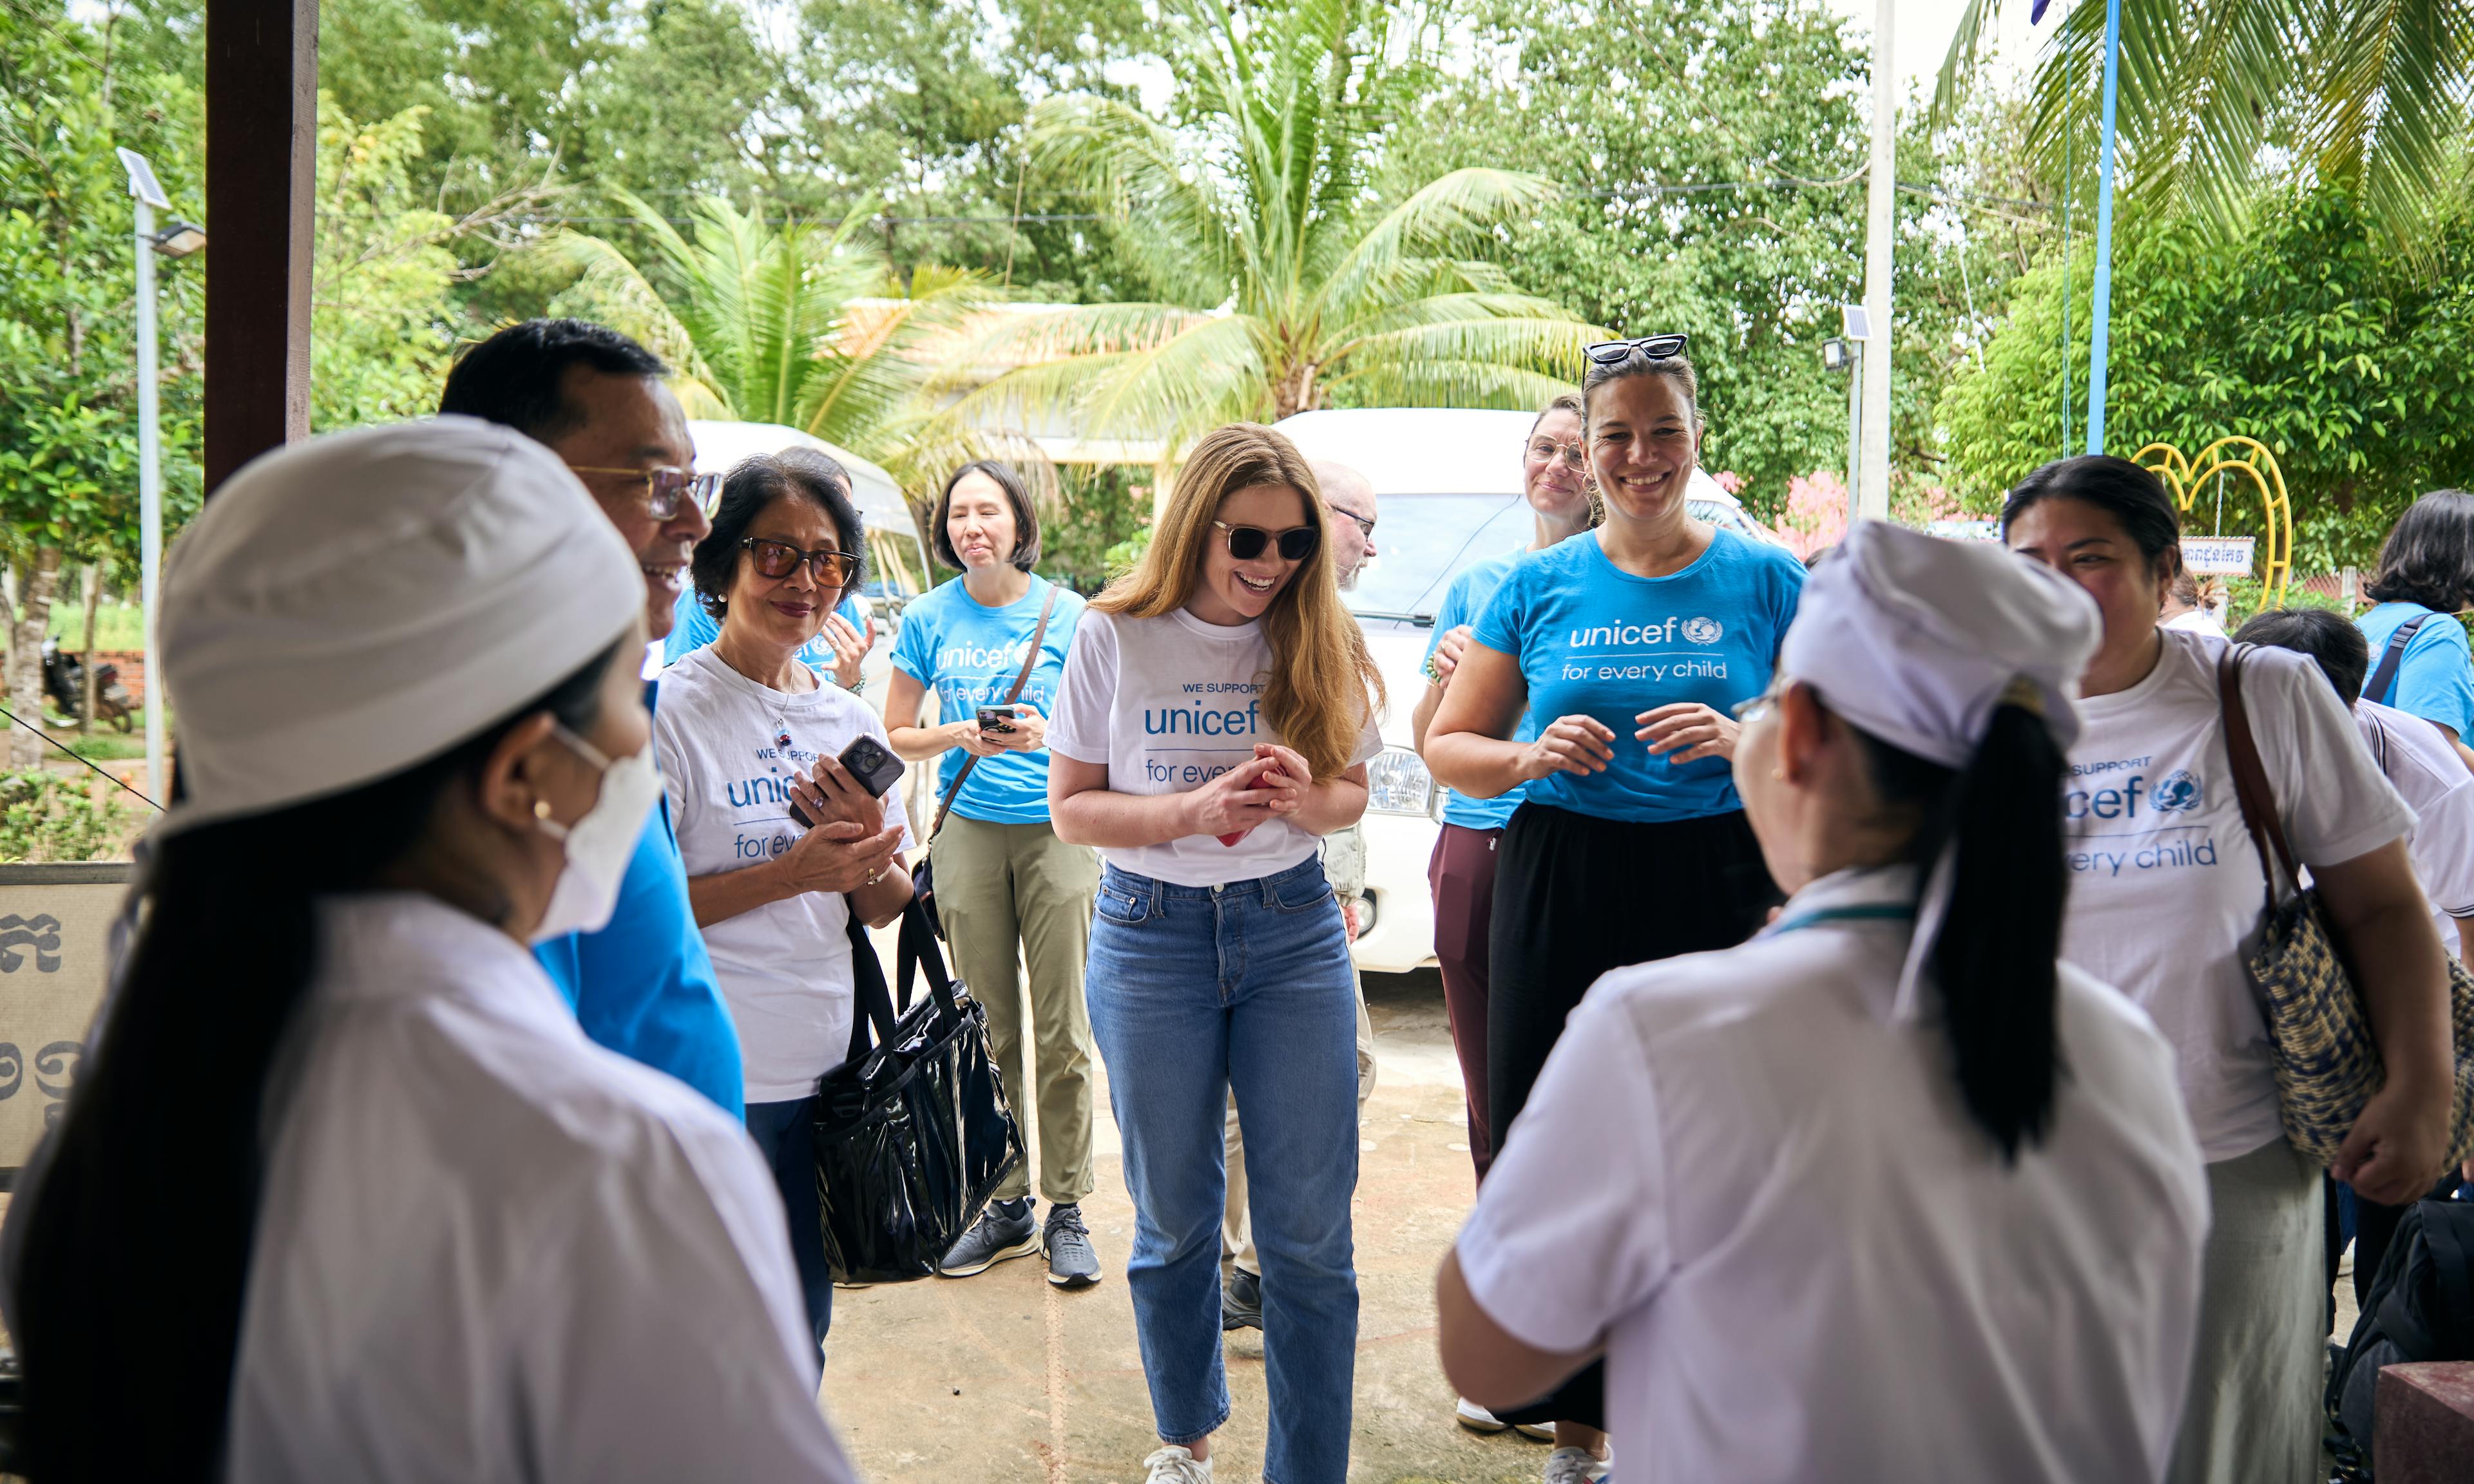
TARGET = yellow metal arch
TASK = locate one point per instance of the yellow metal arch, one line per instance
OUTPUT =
(2249, 458)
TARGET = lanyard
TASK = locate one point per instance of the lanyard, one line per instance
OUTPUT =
(1878, 912)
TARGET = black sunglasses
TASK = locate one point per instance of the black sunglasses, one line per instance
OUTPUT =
(780, 559)
(1653, 347)
(1247, 542)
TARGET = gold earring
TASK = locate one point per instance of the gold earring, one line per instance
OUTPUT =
(1778, 774)
(541, 808)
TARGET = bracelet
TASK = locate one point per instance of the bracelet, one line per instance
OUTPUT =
(879, 877)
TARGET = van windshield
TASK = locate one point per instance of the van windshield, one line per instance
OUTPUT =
(1422, 542)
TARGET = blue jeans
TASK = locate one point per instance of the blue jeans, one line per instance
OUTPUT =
(782, 1131)
(1195, 991)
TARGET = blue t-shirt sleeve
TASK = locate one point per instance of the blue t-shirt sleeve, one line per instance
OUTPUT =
(2436, 678)
(1786, 595)
(691, 628)
(1501, 627)
(1451, 614)
(917, 643)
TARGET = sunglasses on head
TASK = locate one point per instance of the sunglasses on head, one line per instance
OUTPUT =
(1247, 542)
(834, 568)
(1649, 347)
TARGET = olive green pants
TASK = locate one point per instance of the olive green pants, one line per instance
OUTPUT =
(1000, 887)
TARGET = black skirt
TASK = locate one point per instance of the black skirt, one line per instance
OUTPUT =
(1576, 896)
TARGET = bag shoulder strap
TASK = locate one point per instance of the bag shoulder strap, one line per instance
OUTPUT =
(2250, 776)
(2382, 685)
(1022, 677)
(871, 1002)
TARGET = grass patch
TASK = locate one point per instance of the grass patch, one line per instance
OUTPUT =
(116, 624)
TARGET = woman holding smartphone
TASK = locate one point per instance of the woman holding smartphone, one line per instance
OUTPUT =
(1628, 646)
(1217, 714)
(1006, 885)
(746, 730)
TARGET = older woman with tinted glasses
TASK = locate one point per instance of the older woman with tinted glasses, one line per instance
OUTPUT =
(745, 729)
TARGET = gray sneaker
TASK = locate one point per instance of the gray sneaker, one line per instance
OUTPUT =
(1067, 1243)
(1005, 1230)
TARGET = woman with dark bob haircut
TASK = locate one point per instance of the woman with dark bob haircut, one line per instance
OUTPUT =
(744, 729)
(2420, 662)
(2166, 904)
(1008, 892)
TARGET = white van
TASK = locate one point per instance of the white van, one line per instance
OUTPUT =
(1448, 483)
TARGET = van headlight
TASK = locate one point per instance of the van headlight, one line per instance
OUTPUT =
(1397, 783)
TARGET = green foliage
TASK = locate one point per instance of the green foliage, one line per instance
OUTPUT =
(1285, 286)
(383, 316)
(787, 323)
(1101, 509)
(2351, 366)
(48, 816)
(1712, 154)
(2219, 98)
(68, 360)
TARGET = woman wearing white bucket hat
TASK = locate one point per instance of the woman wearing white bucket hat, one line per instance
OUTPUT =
(1887, 1192)
(342, 1178)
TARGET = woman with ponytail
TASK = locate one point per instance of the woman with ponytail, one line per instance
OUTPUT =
(342, 1180)
(1888, 1192)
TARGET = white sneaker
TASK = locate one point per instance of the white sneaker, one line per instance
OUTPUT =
(1174, 1464)
(1575, 1466)
(1535, 1432)
(1477, 1419)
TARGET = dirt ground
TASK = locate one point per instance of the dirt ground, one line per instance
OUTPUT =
(1003, 1378)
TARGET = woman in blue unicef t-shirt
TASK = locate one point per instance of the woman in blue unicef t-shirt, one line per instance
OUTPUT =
(1637, 640)
(1002, 878)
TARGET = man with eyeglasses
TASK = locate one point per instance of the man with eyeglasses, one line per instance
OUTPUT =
(642, 984)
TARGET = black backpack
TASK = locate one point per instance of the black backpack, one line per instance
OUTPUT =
(2420, 1307)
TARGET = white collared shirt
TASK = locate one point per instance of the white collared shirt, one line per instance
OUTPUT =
(489, 1250)
(1751, 1177)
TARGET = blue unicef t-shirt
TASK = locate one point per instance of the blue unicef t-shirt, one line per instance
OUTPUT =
(2435, 677)
(644, 986)
(693, 629)
(968, 654)
(1463, 602)
(1593, 639)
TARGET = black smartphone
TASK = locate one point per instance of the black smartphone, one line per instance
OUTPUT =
(997, 718)
(873, 764)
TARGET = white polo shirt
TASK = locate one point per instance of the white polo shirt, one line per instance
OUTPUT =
(489, 1250)
(1749, 1175)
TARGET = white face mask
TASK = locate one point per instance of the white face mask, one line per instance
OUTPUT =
(601, 845)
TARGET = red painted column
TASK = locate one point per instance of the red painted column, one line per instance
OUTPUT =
(261, 180)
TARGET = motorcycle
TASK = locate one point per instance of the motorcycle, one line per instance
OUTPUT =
(64, 679)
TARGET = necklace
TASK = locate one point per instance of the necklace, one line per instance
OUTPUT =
(780, 701)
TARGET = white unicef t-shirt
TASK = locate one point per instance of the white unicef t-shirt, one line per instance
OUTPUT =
(1170, 704)
(785, 967)
(2422, 766)
(2165, 896)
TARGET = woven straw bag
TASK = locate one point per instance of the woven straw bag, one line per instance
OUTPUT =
(2326, 1060)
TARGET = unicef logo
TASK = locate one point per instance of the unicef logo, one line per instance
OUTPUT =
(2179, 791)
(1703, 630)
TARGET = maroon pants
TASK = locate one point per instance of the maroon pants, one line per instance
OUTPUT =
(1461, 876)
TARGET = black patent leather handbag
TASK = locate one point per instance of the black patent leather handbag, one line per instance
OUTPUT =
(913, 1132)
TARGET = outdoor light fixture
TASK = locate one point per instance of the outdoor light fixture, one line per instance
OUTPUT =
(1835, 355)
(180, 239)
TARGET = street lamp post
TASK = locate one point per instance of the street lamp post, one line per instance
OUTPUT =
(1880, 224)
(179, 240)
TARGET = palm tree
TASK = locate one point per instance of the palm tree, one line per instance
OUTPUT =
(2220, 97)
(1284, 286)
(784, 322)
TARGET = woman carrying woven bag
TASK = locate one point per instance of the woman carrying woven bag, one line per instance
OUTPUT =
(2165, 902)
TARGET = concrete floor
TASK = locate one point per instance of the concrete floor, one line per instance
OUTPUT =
(1003, 1378)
